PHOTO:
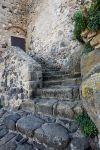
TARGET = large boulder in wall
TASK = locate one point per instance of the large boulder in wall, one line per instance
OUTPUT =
(90, 69)
(72, 63)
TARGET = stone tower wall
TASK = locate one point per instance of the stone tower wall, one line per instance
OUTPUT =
(47, 26)
(50, 30)
(12, 19)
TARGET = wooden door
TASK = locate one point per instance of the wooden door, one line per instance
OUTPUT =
(18, 42)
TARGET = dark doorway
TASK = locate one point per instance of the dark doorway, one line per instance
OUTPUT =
(18, 42)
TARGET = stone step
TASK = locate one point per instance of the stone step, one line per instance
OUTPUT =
(40, 132)
(13, 140)
(46, 69)
(58, 74)
(60, 92)
(52, 135)
(53, 107)
(53, 72)
(68, 81)
(46, 66)
(55, 135)
(55, 77)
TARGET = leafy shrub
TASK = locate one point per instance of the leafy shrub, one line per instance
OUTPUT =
(90, 21)
(94, 21)
(94, 16)
(80, 24)
(87, 126)
(87, 48)
(95, 5)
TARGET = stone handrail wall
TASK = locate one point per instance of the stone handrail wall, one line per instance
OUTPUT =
(90, 70)
(20, 75)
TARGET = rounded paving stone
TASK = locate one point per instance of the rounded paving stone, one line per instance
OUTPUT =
(25, 146)
(64, 109)
(9, 146)
(53, 135)
(3, 132)
(2, 112)
(10, 121)
(27, 125)
(7, 138)
(80, 144)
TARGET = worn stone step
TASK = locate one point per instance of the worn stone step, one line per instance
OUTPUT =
(54, 135)
(51, 73)
(58, 74)
(27, 125)
(41, 132)
(46, 69)
(68, 81)
(60, 92)
(15, 141)
(53, 107)
(57, 108)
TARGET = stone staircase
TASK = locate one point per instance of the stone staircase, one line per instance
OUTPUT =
(57, 77)
(56, 98)
(60, 93)
(47, 122)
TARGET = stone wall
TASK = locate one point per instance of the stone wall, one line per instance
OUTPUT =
(12, 20)
(91, 36)
(20, 75)
(48, 27)
(90, 69)
(50, 30)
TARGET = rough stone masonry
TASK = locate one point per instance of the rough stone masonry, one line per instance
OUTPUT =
(12, 20)
(50, 32)
(47, 27)
(20, 75)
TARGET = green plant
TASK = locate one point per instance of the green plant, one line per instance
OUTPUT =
(93, 22)
(87, 48)
(87, 126)
(80, 24)
(95, 5)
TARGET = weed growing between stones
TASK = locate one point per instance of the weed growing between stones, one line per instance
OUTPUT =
(87, 126)
(87, 48)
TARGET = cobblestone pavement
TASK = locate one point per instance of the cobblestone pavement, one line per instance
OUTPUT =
(19, 130)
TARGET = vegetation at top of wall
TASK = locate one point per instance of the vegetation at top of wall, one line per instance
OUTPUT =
(87, 126)
(89, 19)
(93, 20)
(80, 24)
